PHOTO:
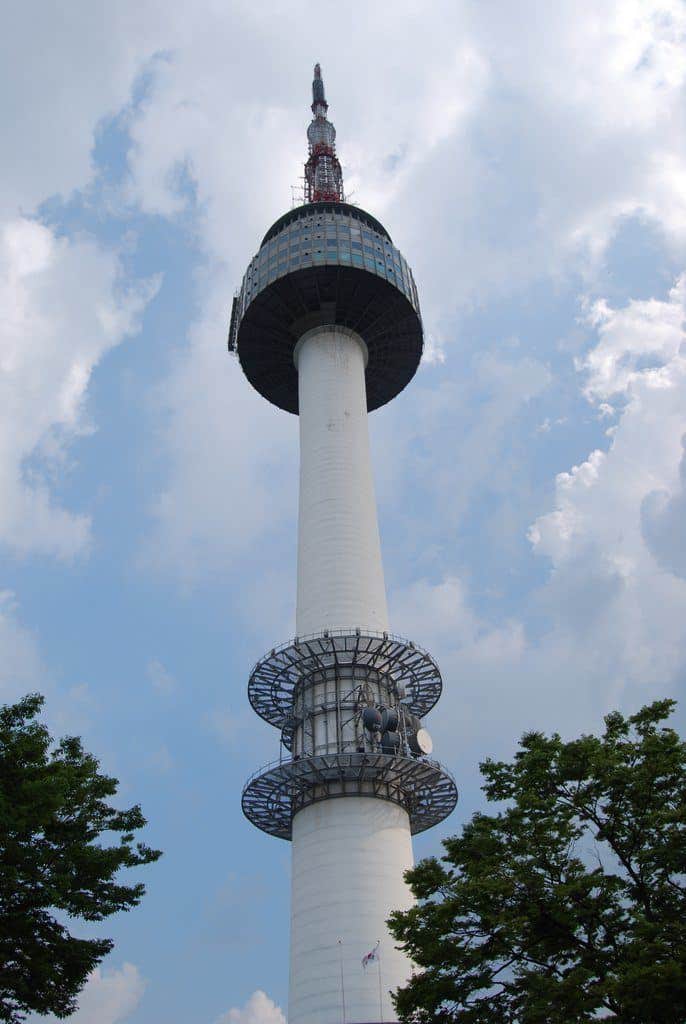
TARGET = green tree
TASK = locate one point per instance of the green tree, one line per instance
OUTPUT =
(53, 811)
(568, 904)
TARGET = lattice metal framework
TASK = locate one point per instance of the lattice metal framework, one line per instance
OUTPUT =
(323, 174)
(407, 669)
(277, 792)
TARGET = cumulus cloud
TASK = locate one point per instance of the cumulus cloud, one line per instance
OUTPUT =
(52, 106)
(573, 517)
(64, 306)
(63, 312)
(588, 90)
(639, 359)
(613, 537)
(259, 1009)
(635, 344)
(584, 643)
(499, 680)
(540, 131)
(109, 996)
(605, 627)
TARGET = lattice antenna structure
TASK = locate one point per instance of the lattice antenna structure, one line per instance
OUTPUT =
(327, 326)
(323, 175)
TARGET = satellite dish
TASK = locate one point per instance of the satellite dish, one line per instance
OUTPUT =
(420, 742)
(371, 719)
(390, 742)
(389, 720)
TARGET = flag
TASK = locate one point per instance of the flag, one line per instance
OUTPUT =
(373, 954)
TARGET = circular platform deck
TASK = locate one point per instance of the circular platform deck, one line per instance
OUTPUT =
(277, 792)
(408, 668)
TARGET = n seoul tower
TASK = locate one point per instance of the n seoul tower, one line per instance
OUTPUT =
(327, 326)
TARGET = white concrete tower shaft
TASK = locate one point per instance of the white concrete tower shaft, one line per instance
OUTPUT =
(340, 574)
(349, 854)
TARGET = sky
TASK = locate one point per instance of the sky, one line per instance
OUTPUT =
(529, 160)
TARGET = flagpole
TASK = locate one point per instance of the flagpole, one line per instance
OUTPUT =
(340, 952)
(378, 946)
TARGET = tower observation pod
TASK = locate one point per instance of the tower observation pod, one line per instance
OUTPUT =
(326, 325)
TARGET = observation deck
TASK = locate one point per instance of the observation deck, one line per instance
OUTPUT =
(327, 263)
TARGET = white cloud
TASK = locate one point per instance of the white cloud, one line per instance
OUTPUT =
(586, 643)
(555, 532)
(540, 129)
(640, 359)
(637, 343)
(575, 133)
(613, 537)
(259, 1009)
(63, 307)
(51, 106)
(591, 97)
(63, 312)
(605, 629)
(109, 996)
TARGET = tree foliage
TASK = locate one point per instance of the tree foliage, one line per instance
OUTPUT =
(53, 812)
(569, 904)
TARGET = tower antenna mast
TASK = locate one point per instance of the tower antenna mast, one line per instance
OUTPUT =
(323, 175)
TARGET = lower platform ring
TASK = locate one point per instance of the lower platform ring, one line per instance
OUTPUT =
(274, 678)
(274, 795)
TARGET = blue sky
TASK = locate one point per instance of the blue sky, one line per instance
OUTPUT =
(530, 162)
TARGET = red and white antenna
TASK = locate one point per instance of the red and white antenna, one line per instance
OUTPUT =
(323, 175)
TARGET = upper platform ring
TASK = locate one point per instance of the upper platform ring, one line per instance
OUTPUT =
(274, 678)
(319, 264)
